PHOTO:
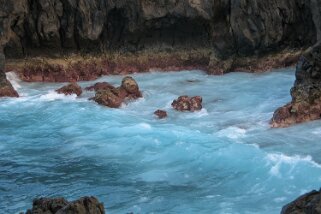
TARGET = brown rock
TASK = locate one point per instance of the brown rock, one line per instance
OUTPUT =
(72, 88)
(6, 89)
(185, 103)
(130, 85)
(160, 114)
(114, 97)
(85, 205)
(100, 86)
(109, 98)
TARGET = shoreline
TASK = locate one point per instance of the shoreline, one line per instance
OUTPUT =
(76, 67)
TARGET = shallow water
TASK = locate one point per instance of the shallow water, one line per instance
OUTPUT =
(223, 159)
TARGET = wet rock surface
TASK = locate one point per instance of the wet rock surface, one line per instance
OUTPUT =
(161, 114)
(309, 203)
(100, 86)
(6, 89)
(85, 205)
(186, 103)
(72, 88)
(306, 92)
(114, 97)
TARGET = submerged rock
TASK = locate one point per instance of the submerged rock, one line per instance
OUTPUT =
(6, 89)
(100, 86)
(309, 203)
(72, 88)
(161, 114)
(85, 205)
(306, 92)
(186, 103)
(113, 97)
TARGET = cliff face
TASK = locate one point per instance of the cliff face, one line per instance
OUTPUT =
(6, 89)
(228, 27)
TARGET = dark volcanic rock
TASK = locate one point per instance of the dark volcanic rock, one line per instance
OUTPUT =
(185, 103)
(309, 203)
(230, 28)
(85, 205)
(6, 89)
(114, 97)
(306, 93)
(72, 88)
(160, 114)
(100, 86)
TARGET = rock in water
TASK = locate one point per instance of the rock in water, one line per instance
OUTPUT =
(186, 103)
(110, 98)
(306, 93)
(309, 203)
(160, 114)
(6, 89)
(72, 88)
(131, 86)
(114, 97)
(100, 86)
(85, 205)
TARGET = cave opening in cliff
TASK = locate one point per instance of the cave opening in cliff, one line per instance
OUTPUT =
(177, 33)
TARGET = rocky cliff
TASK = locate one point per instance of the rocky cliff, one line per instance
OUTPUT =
(230, 28)
(306, 92)
(6, 89)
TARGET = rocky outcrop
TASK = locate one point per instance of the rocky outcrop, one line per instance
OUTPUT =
(72, 88)
(229, 28)
(161, 114)
(309, 203)
(306, 93)
(114, 97)
(100, 86)
(85, 205)
(6, 89)
(185, 103)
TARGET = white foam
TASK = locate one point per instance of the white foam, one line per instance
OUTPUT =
(278, 160)
(232, 132)
(14, 80)
(52, 95)
(145, 126)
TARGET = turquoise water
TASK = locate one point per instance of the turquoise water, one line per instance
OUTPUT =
(223, 159)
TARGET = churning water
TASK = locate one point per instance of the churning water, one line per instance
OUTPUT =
(223, 159)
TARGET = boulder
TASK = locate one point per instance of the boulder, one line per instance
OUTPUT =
(110, 98)
(113, 97)
(85, 205)
(6, 89)
(160, 114)
(307, 203)
(306, 92)
(130, 85)
(100, 86)
(186, 103)
(72, 88)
